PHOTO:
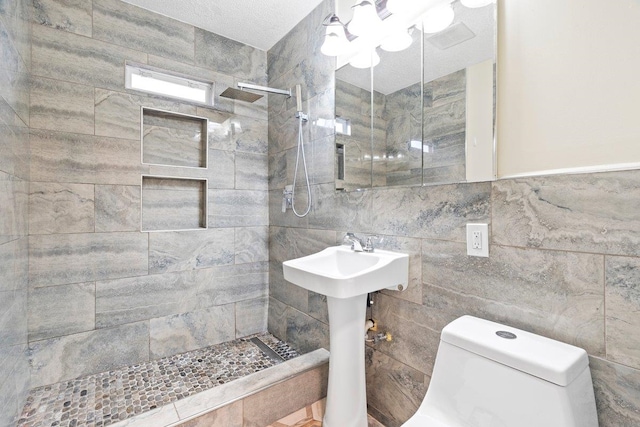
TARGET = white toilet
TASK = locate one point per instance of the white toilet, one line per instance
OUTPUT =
(491, 375)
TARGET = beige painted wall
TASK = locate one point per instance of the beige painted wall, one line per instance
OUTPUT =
(568, 84)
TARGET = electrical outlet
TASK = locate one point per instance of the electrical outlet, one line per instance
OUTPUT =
(478, 240)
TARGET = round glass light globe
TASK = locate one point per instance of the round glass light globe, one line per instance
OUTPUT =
(365, 19)
(397, 42)
(438, 18)
(335, 41)
(365, 59)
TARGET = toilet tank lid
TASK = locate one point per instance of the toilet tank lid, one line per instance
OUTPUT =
(551, 360)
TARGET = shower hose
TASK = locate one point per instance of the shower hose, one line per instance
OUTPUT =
(301, 118)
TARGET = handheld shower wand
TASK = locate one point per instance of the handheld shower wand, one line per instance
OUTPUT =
(302, 118)
(298, 98)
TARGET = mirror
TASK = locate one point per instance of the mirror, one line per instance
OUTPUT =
(353, 128)
(397, 116)
(424, 115)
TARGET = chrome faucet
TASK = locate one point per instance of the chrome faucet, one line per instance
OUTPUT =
(357, 245)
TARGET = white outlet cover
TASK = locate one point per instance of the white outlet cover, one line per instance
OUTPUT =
(483, 229)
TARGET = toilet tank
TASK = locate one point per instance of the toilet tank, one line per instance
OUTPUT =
(490, 375)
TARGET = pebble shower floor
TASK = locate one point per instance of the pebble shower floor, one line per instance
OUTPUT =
(102, 399)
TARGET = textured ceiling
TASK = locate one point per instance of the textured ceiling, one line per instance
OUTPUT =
(258, 23)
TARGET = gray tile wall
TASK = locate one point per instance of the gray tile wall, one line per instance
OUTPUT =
(102, 293)
(565, 254)
(15, 64)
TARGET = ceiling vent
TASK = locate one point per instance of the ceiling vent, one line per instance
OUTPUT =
(454, 35)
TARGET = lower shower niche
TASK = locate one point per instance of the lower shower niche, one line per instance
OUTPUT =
(173, 390)
(171, 203)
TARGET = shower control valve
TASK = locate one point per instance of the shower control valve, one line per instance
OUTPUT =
(287, 195)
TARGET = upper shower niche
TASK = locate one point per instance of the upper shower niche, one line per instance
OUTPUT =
(173, 139)
(424, 115)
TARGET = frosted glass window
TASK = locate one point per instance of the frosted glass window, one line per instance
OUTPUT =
(158, 83)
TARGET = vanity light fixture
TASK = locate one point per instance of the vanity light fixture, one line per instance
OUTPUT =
(438, 18)
(365, 20)
(367, 30)
(335, 40)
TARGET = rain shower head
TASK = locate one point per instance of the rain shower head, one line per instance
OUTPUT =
(241, 95)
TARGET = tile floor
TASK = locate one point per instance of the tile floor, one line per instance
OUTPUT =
(311, 416)
(102, 399)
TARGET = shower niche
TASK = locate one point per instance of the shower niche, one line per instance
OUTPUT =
(173, 203)
(173, 139)
(180, 141)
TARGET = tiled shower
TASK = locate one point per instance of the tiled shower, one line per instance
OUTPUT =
(103, 293)
(83, 291)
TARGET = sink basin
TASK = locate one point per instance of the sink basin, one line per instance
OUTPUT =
(339, 272)
(346, 277)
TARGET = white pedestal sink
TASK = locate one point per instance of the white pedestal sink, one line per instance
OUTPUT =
(346, 277)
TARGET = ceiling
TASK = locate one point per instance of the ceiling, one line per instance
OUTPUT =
(258, 23)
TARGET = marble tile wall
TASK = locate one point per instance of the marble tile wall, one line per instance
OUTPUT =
(15, 65)
(565, 253)
(101, 292)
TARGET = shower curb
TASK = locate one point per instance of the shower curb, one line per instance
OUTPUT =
(197, 405)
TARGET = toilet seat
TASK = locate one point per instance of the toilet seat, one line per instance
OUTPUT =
(422, 420)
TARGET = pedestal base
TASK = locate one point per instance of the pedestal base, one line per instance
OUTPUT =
(346, 395)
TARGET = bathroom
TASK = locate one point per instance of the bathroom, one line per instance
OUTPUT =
(83, 290)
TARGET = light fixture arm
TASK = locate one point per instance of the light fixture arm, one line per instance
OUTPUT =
(332, 19)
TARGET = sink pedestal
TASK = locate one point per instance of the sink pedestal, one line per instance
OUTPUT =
(346, 395)
(345, 277)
